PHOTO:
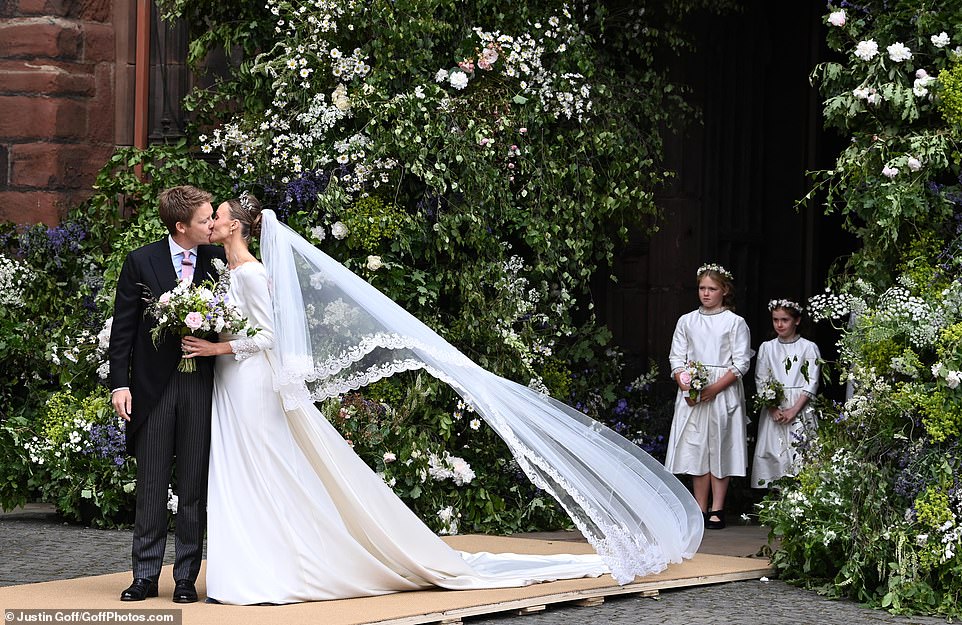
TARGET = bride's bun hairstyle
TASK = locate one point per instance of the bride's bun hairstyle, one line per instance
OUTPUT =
(247, 210)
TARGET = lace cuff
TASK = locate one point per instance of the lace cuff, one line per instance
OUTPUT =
(244, 348)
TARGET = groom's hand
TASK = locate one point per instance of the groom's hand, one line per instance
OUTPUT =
(121, 401)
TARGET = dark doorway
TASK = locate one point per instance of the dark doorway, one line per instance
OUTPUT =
(739, 176)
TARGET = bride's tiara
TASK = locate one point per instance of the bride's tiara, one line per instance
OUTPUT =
(245, 202)
(716, 268)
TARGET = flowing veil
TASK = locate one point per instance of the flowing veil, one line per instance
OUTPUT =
(334, 333)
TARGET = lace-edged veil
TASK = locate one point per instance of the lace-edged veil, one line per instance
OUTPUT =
(334, 333)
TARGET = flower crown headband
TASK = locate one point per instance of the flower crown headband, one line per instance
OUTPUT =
(785, 303)
(716, 268)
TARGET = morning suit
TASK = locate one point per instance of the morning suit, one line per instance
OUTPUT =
(170, 411)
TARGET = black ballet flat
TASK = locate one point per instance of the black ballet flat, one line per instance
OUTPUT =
(715, 525)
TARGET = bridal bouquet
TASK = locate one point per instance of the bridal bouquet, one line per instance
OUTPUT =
(695, 375)
(770, 395)
(200, 311)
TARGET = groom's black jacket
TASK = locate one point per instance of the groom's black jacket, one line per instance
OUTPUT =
(149, 272)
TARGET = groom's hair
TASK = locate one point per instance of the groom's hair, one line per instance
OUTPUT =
(179, 203)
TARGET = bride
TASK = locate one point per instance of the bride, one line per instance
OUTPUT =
(295, 515)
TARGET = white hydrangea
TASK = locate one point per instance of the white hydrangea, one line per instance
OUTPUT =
(441, 76)
(941, 40)
(14, 279)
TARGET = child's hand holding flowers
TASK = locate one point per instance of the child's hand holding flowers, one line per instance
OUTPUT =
(693, 380)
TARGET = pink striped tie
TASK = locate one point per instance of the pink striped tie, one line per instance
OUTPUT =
(186, 268)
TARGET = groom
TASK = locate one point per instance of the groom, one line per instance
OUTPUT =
(167, 412)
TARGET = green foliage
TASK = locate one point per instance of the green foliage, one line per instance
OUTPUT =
(370, 221)
(941, 414)
(429, 456)
(898, 176)
(950, 93)
(485, 205)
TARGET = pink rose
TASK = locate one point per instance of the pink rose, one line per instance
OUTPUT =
(163, 299)
(685, 378)
(194, 320)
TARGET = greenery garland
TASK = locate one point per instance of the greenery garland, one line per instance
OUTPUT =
(876, 513)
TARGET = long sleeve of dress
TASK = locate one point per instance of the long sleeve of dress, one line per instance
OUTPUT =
(256, 306)
(763, 369)
(812, 356)
(678, 355)
(741, 348)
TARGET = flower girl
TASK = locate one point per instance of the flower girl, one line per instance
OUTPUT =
(786, 375)
(710, 352)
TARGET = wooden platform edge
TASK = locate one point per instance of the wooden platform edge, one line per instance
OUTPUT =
(521, 605)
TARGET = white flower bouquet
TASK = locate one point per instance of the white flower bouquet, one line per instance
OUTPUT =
(695, 376)
(769, 395)
(198, 311)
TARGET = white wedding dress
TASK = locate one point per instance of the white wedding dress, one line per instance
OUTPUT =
(295, 515)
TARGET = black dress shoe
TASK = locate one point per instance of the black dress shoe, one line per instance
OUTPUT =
(140, 590)
(184, 591)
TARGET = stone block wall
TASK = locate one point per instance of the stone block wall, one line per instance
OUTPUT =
(58, 61)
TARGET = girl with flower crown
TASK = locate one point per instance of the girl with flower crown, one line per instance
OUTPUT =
(792, 362)
(709, 430)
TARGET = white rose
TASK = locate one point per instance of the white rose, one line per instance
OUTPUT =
(374, 263)
(866, 50)
(953, 378)
(441, 76)
(898, 52)
(340, 99)
(458, 79)
(890, 172)
(389, 457)
(339, 230)
(914, 163)
(318, 233)
(941, 40)
(837, 18)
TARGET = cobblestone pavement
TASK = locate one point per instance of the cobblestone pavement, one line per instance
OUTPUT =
(34, 547)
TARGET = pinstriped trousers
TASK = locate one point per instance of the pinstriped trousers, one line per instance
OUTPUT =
(178, 427)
